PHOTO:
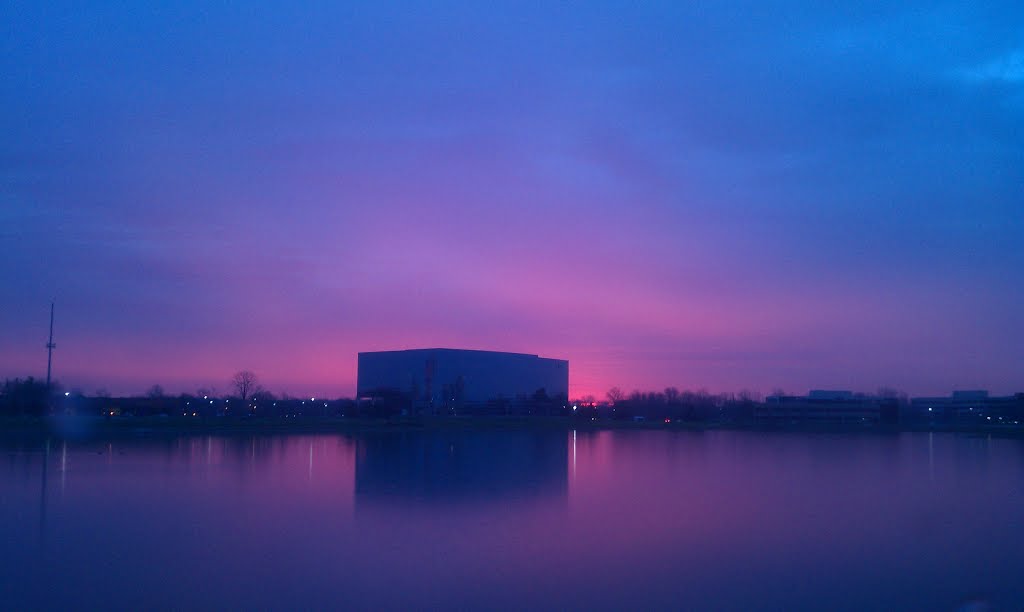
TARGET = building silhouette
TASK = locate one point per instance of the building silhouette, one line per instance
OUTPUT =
(455, 381)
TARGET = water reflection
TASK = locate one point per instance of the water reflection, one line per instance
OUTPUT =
(512, 519)
(42, 490)
(435, 467)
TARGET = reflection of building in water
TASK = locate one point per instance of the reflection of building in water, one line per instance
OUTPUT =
(444, 381)
(450, 466)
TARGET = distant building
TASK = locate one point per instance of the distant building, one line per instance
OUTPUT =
(447, 381)
(971, 395)
(967, 407)
(827, 407)
(819, 394)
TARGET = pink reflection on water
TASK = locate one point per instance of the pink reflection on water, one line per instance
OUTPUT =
(516, 519)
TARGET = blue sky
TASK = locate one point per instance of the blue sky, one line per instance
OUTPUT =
(757, 195)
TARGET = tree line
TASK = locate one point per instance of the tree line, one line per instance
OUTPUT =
(31, 397)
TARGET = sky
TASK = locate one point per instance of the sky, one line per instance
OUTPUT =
(728, 196)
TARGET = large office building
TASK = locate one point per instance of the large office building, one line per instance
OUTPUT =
(967, 407)
(827, 407)
(440, 380)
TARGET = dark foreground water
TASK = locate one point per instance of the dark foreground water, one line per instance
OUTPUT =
(514, 519)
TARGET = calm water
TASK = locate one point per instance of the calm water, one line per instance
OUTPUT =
(623, 519)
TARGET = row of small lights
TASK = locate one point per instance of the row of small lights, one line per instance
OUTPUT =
(205, 397)
(253, 406)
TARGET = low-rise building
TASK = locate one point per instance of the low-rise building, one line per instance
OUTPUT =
(450, 381)
(966, 407)
(827, 407)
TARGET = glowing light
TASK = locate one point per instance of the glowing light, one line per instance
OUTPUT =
(67, 393)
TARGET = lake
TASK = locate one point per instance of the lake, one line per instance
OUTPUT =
(515, 519)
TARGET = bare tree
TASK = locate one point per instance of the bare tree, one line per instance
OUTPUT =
(156, 391)
(615, 394)
(747, 395)
(245, 384)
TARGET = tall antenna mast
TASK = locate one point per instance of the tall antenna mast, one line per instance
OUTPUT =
(49, 350)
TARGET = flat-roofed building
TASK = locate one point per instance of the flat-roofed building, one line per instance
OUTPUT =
(443, 381)
(822, 394)
(967, 407)
(827, 407)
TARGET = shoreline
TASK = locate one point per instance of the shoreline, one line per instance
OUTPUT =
(88, 426)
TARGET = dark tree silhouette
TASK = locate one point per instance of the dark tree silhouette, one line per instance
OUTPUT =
(25, 397)
(263, 395)
(156, 391)
(245, 384)
(746, 395)
(615, 394)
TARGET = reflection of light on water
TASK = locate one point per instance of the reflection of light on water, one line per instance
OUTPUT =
(42, 492)
(63, 465)
(574, 453)
(311, 462)
(931, 455)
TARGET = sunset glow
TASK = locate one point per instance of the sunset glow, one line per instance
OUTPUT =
(663, 196)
